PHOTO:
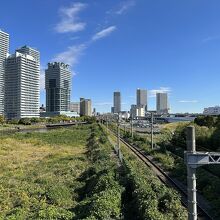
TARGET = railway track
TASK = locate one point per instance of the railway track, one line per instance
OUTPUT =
(165, 178)
(199, 148)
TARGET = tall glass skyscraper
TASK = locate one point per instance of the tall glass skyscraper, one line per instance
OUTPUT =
(58, 87)
(142, 98)
(162, 103)
(4, 50)
(22, 83)
(117, 102)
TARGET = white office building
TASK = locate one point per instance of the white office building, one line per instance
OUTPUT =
(22, 84)
(4, 50)
(137, 111)
(212, 110)
(162, 103)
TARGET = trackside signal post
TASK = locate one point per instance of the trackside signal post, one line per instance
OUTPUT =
(118, 131)
(152, 130)
(132, 126)
(107, 122)
(118, 140)
(193, 160)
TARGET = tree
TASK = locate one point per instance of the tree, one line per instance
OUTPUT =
(217, 122)
(25, 121)
(208, 121)
(35, 120)
(13, 121)
(2, 119)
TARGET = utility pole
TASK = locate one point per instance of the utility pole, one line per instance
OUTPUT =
(132, 126)
(107, 122)
(191, 175)
(193, 160)
(118, 136)
(152, 130)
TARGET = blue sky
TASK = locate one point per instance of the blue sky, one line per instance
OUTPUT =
(122, 45)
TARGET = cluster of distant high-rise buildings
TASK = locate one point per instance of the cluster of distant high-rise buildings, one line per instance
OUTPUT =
(20, 84)
(140, 109)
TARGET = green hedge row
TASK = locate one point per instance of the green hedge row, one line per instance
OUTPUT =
(101, 196)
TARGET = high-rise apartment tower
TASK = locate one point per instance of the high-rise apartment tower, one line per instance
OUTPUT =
(22, 84)
(85, 107)
(4, 50)
(117, 102)
(162, 103)
(142, 98)
(58, 87)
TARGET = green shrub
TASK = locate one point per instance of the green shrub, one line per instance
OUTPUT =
(208, 121)
(24, 121)
(13, 121)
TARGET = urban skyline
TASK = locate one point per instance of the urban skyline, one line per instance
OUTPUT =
(90, 48)
(21, 88)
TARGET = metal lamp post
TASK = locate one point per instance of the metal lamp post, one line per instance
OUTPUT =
(132, 126)
(152, 130)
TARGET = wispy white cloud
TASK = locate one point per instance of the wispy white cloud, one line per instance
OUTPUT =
(124, 6)
(188, 101)
(74, 38)
(103, 104)
(107, 103)
(153, 92)
(124, 103)
(69, 23)
(71, 55)
(104, 33)
(70, 20)
(131, 96)
(205, 40)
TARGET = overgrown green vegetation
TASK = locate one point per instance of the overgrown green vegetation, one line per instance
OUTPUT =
(208, 121)
(169, 152)
(74, 174)
(145, 197)
(101, 197)
(39, 173)
(60, 174)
